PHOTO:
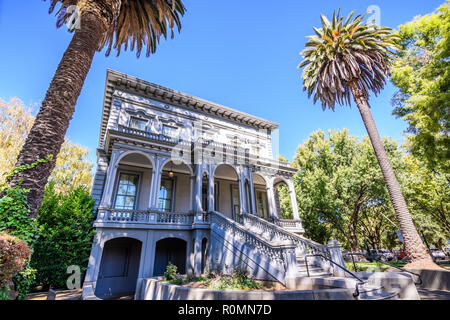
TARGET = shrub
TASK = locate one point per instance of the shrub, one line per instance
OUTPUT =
(171, 272)
(15, 221)
(13, 258)
(66, 221)
(14, 217)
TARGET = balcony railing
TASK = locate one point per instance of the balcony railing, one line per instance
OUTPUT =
(288, 224)
(110, 215)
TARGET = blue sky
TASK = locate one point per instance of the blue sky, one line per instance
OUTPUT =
(242, 54)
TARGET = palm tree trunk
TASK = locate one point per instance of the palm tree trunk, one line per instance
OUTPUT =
(415, 248)
(47, 134)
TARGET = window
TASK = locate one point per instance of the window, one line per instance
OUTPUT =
(139, 124)
(166, 194)
(170, 131)
(127, 191)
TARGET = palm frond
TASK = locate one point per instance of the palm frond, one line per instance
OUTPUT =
(140, 23)
(346, 50)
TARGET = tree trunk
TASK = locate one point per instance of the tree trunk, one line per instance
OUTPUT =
(47, 134)
(415, 248)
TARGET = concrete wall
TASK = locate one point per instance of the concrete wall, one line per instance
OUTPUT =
(229, 251)
(155, 289)
(434, 279)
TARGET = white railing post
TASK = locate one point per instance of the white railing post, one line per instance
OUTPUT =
(334, 248)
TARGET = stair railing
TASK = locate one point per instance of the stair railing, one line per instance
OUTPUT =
(359, 283)
(370, 257)
(277, 253)
(309, 246)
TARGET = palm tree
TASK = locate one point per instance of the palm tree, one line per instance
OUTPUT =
(351, 57)
(113, 23)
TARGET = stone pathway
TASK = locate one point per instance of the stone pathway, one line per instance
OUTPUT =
(60, 295)
(427, 294)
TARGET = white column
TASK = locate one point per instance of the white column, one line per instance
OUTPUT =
(191, 192)
(211, 193)
(106, 201)
(293, 200)
(152, 187)
(271, 199)
(198, 168)
(241, 183)
(197, 252)
(157, 182)
(252, 194)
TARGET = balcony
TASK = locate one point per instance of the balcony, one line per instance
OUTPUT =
(148, 218)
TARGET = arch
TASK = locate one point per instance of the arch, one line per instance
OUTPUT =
(172, 250)
(119, 268)
(279, 179)
(223, 164)
(183, 162)
(129, 152)
(278, 183)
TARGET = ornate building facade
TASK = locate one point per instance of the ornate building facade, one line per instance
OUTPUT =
(180, 179)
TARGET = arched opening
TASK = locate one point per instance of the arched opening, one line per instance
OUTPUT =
(282, 199)
(133, 181)
(119, 268)
(204, 254)
(262, 205)
(205, 188)
(227, 193)
(175, 188)
(170, 250)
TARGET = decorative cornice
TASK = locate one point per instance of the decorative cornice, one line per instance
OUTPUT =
(116, 80)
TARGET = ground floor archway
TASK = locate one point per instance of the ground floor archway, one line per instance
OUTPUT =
(170, 250)
(119, 268)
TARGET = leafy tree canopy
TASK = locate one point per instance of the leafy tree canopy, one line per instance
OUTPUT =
(422, 73)
(72, 168)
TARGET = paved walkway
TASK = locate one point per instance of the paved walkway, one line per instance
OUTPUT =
(427, 294)
(60, 295)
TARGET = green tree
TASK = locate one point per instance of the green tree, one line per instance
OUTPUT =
(130, 24)
(338, 185)
(428, 195)
(353, 58)
(72, 168)
(66, 238)
(422, 73)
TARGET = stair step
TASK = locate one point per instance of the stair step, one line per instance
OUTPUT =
(379, 296)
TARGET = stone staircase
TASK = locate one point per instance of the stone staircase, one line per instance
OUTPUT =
(315, 270)
(320, 274)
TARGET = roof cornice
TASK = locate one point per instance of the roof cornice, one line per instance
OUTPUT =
(118, 80)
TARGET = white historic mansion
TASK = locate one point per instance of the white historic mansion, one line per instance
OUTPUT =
(184, 180)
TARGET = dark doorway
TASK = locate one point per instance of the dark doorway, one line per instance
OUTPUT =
(170, 250)
(119, 268)
(204, 253)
